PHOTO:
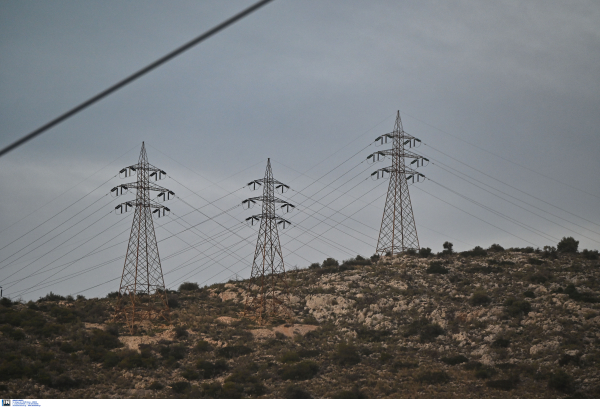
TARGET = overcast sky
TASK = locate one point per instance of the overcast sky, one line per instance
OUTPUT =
(511, 89)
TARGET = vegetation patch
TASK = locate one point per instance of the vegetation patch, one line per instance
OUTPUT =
(454, 360)
(433, 377)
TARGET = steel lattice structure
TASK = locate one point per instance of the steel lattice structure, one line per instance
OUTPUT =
(398, 232)
(267, 289)
(142, 294)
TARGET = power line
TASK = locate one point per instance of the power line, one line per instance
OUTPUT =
(134, 76)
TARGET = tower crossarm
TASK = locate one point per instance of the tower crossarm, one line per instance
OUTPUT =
(150, 187)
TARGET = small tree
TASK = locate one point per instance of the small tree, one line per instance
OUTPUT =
(567, 245)
(448, 248)
(330, 262)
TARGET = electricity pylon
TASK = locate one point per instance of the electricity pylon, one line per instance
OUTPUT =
(267, 288)
(398, 232)
(142, 294)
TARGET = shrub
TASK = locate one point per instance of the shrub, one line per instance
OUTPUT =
(231, 390)
(550, 252)
(590, 254)
(447, 248)
(180, 332)
(173, 352)
(314, 266)
(132, 359)
(529, 294)
(355, 393)
(63, 315)
(504, 384)
(156, 386)
(346, 354)
(495, 248)
(424, 252)
(294, 391)
(535, 262)
(52, 297)
(372, 335)
(5, 302)
(566, 359)
(289, 357)
(477, 251)
(190, 373)
(202, 346)
(480, 298)
(187, 286)
(485, 372)
(567, 245)
(436, 267)
(433, 377)
(517, 308)
(65, 382)
(113, 294)
(180, 387)
(105, 340)
(404, 365)
(561, 381)
(233, 351)
(538, 278)
(352, 263)
(330, 262)
(454, 360)
(305, 370)
(427, 331)
(375, 258)
(501, 343)
(579, 296)
(173, 301)
(385, 357)
(111, 359)
(411, 251)
(209, 370)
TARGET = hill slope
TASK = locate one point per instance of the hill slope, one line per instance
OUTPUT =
(498, 324)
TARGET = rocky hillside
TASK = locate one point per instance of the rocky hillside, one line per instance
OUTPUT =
(485, 323)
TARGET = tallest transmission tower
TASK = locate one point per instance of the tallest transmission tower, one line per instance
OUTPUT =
(398, 232)
(142, 294)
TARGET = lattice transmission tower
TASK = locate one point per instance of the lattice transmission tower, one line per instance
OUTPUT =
(398, 231)
(142, 294)
(267, 289)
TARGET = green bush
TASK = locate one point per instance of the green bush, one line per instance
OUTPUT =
(495, 248)
(562, 382)
(427, 331)
(529, 294)
(404, 364)
(156, 386)
(16, 334)
(330, 262)
(314, 266)
(181, 387)
(355, 393)
(305, 370)
(208, 370)
(63, 315)
(504, 384)
(190, 373)
(433, 377)
(52, 297)
(111, 359)
(501, 343)
(180, 332)
(590, 254)
(212, 390)
(436, 267)
(65, 382)
(290, 357)
(517, 308)
(567, 245)
(131, 359)
(477, 251)
(352, 263)
(346, 354)
(202, 346)
(173, 352)
(5, 302)
(187, 286)
(579, 296)
(375, 258)
(372, 335)
(535, 262)
(485, 372)
(479, 298)
(424, 252)
(105, 340)
(447, 248)
(454, 360)
(293, 391)
(233, 351)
